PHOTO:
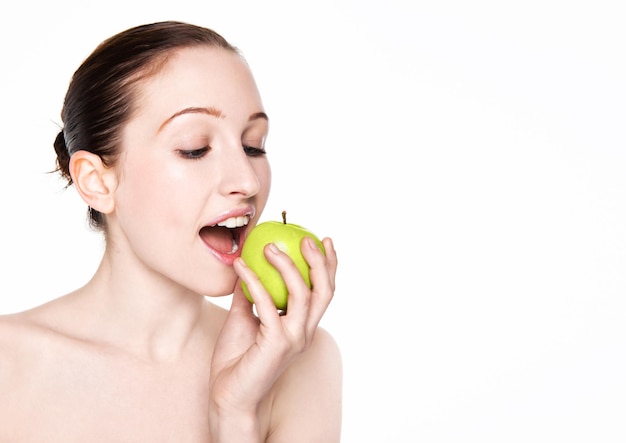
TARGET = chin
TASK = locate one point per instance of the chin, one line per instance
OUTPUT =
(220, 289)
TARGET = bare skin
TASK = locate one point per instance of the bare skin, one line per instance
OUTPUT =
(137, 354)
(58, 386)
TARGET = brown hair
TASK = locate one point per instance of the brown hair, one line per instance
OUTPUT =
(101, 95)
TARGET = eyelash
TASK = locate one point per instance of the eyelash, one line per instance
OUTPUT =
(193, 154)
(197, 154)
(251, 151)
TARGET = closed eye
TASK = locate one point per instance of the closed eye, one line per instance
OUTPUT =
(193, 154)
(251, 151)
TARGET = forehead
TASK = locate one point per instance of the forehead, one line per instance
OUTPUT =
(200, 76)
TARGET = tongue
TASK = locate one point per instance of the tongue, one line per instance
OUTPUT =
(218, 238)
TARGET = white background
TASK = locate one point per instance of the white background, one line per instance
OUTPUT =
(467, 158)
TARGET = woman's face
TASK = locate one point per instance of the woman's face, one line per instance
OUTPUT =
(192, 159)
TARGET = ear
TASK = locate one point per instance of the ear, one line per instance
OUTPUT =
(94, 181)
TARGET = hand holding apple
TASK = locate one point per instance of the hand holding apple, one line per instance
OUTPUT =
(287, 237)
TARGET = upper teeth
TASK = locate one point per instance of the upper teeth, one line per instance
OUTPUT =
(235, 222)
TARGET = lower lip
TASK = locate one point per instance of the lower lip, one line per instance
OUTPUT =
(227, 259)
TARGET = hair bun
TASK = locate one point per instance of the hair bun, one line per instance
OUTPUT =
(63, 157)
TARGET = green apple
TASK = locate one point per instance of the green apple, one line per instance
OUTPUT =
(287, 237)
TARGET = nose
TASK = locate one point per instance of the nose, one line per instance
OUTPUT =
(238, 175)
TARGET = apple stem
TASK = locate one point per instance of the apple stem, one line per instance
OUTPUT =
(285, 217)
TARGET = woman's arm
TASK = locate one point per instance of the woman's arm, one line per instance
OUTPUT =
(253, 351)
(307, 405)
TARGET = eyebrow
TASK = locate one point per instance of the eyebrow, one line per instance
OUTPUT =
(258, 115)
(209, 111)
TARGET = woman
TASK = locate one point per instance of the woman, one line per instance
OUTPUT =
(163, 139)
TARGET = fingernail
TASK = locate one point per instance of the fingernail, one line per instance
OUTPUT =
(311, 243)
(273, 248)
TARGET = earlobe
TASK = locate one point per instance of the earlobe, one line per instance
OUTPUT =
(94, 181)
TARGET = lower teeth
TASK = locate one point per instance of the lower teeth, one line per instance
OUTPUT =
(235, 247)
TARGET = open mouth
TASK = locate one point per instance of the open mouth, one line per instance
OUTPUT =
(226, 236)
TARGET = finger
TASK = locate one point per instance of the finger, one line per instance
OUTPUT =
(331, 260)
(240, 302)
(266, 310)
(299, 294)
(322, 274)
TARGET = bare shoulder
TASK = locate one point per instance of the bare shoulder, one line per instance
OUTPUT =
(324, 354)
(321, 365)
(27, 337)
(9, 335)
(308, 396)
(22, 329)
(20, 339)
(15, 332)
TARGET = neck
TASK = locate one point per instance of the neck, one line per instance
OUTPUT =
(148, 317)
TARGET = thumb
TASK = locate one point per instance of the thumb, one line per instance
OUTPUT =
(240, 302)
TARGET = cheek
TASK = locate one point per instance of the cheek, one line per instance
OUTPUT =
(264, 174)
(150, 191)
